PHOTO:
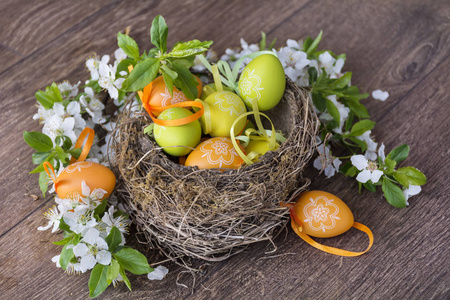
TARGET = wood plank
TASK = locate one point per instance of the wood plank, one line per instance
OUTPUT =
(411, 245)
(28, 25)
(8, 57)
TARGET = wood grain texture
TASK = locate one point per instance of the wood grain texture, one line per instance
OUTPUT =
(8, 57)
(399, 46)
(28, 25)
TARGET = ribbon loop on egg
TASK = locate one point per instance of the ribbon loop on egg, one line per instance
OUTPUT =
(88, 135)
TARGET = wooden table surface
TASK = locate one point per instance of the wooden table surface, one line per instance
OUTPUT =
(401, 46)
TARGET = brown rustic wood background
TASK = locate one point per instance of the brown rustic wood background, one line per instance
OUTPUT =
(402, 46)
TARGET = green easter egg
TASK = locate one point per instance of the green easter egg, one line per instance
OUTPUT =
(225, 107)
(262, 79)
(259, 146)
(213, 87)
(187, 135)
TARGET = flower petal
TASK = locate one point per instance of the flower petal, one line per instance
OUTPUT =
(158, 273)
(381, 152)
(87, 262)
(376, 175)
(359, 161)
(85, 190)
(104, 257)
(91, 236)
(80, 249)
(364, 176)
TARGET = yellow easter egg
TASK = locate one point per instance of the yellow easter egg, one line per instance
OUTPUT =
(224, 108)
(321, 214)
(258, 146)
(95, 175)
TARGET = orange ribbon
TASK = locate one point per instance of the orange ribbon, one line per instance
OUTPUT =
(88, 135)
(297, 226)
(145, 98)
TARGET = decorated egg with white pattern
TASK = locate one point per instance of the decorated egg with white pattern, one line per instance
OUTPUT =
(215, 153)
(185, 136)
(321, 214)
(159, 94)
(224, 108)
(96, 176)
(262, 79)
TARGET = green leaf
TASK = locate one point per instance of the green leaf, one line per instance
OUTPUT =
(393, 193)
(54, 92)
(409, 175)
(357, 108)
(133, 261)
(358, 142)
(65, 141)
(362, 126)
(124, 64)
(159, 32)
(63, 241)
(125, 278)
(40, 157)
(314, 44)
(63, 226)
(76, 238)
(262, 44)
(38, 141)
(63, 156)
(187, 62)
(312, 72)
(370, 186)
(333, 111)
(43, 182)
(113, 239)
(185, 81)
(44, 99)
(75, 152)
(171, 73)
(149, 129)
(142, 74)
(320, 102)
(351, 172)
(128, 45)
(341, 82)
(190, 48)
(168, 81)
(113, 271)
(390, 165)
(98, 280)
(66, 256)
(101, 207)
(38, 169)
(322, 81)
(399, 154)
(349, 122)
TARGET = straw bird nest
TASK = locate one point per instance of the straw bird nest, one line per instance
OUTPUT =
(211, 214)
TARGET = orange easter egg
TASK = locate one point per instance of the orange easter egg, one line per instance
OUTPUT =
(321, 214)
(214, 153)
(95, 175)
(160, 95)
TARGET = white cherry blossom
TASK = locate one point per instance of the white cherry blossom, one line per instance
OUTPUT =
(120, 55)
(68, 90)
(92, 249)
(108, 80)
(80, 220)
(325, 161)
(93, 65)
(53, 215)
(369, 169)
(371, 153)
(120, 222)
(58, 126)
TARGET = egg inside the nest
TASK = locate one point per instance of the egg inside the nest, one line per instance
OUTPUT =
(215, 153)
(185, 136)
(321, 214)
(159, 94)
(258, 146)
(262, 79)
(223, 108)
(95, 176)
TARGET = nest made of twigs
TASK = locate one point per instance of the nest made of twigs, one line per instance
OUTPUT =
(211, 214)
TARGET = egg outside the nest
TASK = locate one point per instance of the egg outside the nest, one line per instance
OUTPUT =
(262, 79)
(95, 176)
(215, 153)
(159, 94)
(186, 136)
(321, 214)
(225, 107)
